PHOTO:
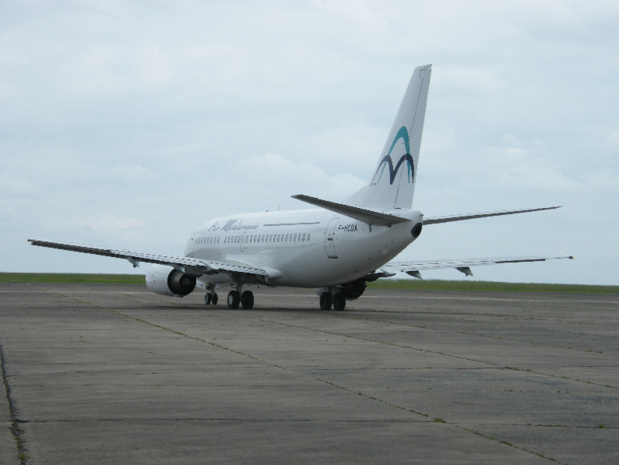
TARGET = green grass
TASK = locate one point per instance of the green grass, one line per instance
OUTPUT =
(71, 278)
(404, 284)
(487, 286)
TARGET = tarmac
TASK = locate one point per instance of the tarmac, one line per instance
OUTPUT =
(115, 374)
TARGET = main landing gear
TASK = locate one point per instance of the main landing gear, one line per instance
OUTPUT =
(336, 300)
(246, 300)
(235, 299)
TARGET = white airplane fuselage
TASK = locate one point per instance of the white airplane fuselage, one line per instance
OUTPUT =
(301, 248)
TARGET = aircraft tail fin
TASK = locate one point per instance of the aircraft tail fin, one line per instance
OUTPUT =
(393, 181)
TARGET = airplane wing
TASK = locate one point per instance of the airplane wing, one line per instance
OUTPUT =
(186, 265)
(449, 219)
(414, 268)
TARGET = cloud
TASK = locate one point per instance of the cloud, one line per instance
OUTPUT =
(135, 174)
(276, 173)
(99, 223)
(16, 186)
(131, 122)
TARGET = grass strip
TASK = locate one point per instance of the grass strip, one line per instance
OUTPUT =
(400, 284)
(71, 278)
(488, 286)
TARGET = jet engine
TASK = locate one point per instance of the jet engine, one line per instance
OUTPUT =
(165, 280)
(354, 289)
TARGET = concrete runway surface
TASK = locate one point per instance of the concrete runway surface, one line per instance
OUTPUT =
(114, 374)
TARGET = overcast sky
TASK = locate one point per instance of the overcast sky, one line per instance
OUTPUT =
(129, 123)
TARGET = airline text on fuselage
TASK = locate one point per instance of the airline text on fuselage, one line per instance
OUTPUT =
(233, 225)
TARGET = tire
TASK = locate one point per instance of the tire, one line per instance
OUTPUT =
(326, 301)
(339, 301)
(247, 300)
(208, 298)
(234, 299)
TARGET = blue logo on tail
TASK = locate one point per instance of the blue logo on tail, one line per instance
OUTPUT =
(387, 161)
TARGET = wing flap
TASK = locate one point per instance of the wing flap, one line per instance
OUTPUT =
(239, 267)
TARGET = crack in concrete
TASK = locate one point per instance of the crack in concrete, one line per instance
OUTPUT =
(239, 420)
(444, 354)
(15, 427)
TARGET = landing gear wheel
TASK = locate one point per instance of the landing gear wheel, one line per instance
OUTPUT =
(234, 299)
(326, 301)
(339, 301)
(211, 298)
(247, 300)
(214, 299)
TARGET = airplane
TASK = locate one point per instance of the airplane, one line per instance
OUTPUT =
(336, 249)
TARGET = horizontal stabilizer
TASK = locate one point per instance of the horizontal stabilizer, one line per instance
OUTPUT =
(448, 219)
(367, 216)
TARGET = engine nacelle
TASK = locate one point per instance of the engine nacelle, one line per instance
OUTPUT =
(354, 289)
(165, 280)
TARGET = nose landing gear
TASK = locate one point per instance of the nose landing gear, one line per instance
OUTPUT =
(211, 298)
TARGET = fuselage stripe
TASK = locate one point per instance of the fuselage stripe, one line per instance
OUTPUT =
(291, 224)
